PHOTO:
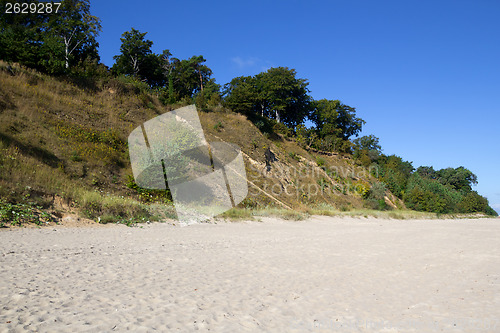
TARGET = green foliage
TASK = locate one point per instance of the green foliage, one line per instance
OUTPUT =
(394, 172)
(148, 196)
(472, 202)
(428, 195)
(210, 97)
(461, 179)
(320, 161)
(76, 30)
(241, 95)
(276, 93)
(191, 76)
(218, 127)
(375, 196)
(135, 55)
(332, 118)
(86, 134)
(282, 129)
(19, 214)
(367, 149)
(377, 191)
(129, 84)
(490, 211)
(50, 43)
(283, 96)
(107, 209)
(367, 142)
(75, 157)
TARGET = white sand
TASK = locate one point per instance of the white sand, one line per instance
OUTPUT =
(321, 275)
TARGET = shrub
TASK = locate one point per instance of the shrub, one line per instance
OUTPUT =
(18, 214)
(377, 191)
(320, 161)
(429, 195)
(472, 202)
(218, 127)
(375, 197)
(282, 129)
(96, 206)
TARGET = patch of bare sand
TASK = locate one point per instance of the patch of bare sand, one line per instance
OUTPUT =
(321, 275)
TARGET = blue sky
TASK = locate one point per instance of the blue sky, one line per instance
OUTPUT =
(425, 75)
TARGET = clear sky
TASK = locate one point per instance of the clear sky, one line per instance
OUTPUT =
(425, 75)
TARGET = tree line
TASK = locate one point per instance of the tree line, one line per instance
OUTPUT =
(66, 43)
(276, 100)
(447, 191)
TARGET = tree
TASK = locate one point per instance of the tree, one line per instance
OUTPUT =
(282, 96)
(50, 43)
(189, 76)
(367, 149)
(20, 37)
(472, 202)
(332, 118)
(395, 172)
(166, 65)
(461, 179)
(241, 95)
(135, 52)
(368, 143)
(276, 94)
(210, 96)
(77, 29)
(427, 172)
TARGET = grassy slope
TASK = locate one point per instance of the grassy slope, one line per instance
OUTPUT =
(64, 148)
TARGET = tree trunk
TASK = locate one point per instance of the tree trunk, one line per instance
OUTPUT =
(277, 116)
(170, 90)
(66, 51)
(201, 80)
(135, 65)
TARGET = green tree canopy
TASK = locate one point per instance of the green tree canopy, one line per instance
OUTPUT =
(135, 53)
(282, 96)
(367, 149)
(241, 95)
(76, 29)
(189, 76)
(50, 43)
(427, 172)
(367, 142)
(461, 179)
(395, 172)
(332, 118)
(277, 94)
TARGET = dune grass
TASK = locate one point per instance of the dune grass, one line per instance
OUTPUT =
(238, 214)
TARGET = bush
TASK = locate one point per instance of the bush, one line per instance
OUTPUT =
(375, 197)
(490, 211)
(125, 85)
(282, 129)
(219, 126)
(111, 208)
(18, 214)
(376, 204)
(429, 195)
(472, 202)
(320, 161)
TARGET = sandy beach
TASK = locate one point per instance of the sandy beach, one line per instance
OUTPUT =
(324, 274)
